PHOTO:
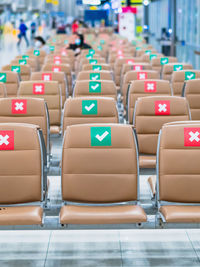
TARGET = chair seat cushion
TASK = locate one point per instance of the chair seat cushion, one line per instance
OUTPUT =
(152, 183)
(102, 214)
(23, 215)
(147, 162)
(181, 214)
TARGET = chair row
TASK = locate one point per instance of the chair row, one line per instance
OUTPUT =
(106, 191)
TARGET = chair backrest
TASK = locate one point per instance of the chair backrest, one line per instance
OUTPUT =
(148, 58)
(136, 75)
(151, 113)
(178, 162)
(94, 75)
(140, 66)
(26, 110)
(50, 92)
(145, 88)
(24, 71)
(30, 62)
(92, 61)
(21, 178)
(159, 62)
(83, 110)
(11, 82)
(39, 54)
(168, 69)
(180, 77)
(145, 51)
(60, 77)
(60, 68)
(95, 88)
(96, 67)
(102, 159)
(192, 94)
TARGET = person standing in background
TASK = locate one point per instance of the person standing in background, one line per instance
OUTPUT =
(22, 33)
(75, 26)
(33, 29)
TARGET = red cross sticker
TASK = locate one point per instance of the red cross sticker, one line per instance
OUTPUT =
(6, 140)
(191, 136)
(141, 75)
(19, 106)
(38, 89)
(56, 69)
(47, 77)
(162, 107)
(150, 86)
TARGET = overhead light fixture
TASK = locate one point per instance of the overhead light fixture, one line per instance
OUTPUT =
(92, 2)
(146, 2)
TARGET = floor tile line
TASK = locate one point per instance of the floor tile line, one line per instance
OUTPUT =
(48, 248)
(120, 249)
(192, 245)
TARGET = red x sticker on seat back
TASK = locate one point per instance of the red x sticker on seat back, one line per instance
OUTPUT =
(19, 106)
(191, 136)
(6, 140)
(162, 107)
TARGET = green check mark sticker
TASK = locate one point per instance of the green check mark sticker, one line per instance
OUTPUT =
(164, 60)
(3, 77)
(36, 53)
(93, 61)
(16, 69)
(25, 57)
(91, 52)
(100, 136)
(178, 67)
(89, 107)
(189, 75)
(97, 67)
(95, 76)
(89, 56)
(22, 62)
(94, 87)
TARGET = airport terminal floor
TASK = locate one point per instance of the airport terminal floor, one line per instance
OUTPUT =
(99, 151)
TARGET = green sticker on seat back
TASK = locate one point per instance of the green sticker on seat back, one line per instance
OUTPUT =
(22, 61)
(99, 47)
(148, 52)
(16, 69)
(95, 76)
(36, 53)
(138, 48)
(94, 87)
(178, 67)
(102, 41)
(164, 60)
(91, 51)
(97, 67)
(152, 56)
(25, 57)
(66, 41)
(190, 75)
(52, 48)
(89, 56)
(3, 77)
(89, 107)
(93, 61)
(100, 136)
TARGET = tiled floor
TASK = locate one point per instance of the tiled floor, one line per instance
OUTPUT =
(102, 248)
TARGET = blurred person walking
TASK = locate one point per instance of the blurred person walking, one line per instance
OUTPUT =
(22, 33)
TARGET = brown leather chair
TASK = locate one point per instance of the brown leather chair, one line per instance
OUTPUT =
(53, 76)
(168, 69)
(180, 77)
(136, 75)
(83, 110)
(57, 60)
(95, 88)
(11, 82)
(150, 114)
(26, 110)
(192, 94)
(147, 58)
(22, 176)
(119, 64)
(145, 51)
(3, 92)
(159, 62)
(94, 75)
(24, 71)
(114, 56)
(92, 61)
(94, 171)
(39, 54)
(51, 93)
(96, 67)
(142, 89)
(30, 62)
(178, 195)
(140, 66)
(61, 68)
